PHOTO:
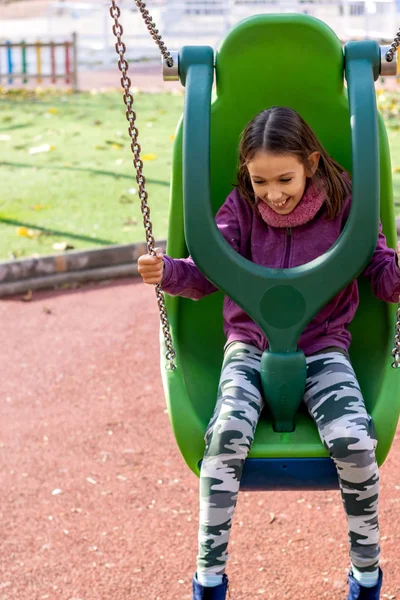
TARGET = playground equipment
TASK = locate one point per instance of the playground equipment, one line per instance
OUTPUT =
(256, 67)
(19, 59)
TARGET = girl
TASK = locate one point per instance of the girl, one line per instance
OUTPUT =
(289, 207)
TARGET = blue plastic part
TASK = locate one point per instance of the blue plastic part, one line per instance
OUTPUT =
(267, 474)
(10, 66)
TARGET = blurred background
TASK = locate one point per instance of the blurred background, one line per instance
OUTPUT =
(67, 178)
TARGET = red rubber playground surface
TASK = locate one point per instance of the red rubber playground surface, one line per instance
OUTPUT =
(96, 501)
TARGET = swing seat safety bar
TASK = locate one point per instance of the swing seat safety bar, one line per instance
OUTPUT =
(282, 301)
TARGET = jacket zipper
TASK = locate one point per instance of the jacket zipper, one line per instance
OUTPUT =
(288, 247)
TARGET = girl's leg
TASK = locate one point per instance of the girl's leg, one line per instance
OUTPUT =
(228, 438)
(333, 398)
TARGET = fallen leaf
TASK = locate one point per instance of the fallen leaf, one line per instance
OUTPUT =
(53, 111)
(172, 137)
(115, 145)
(40, 149)
(27, 297)
(38, 207)
(62, 246)
(149, 156)
(25, 232)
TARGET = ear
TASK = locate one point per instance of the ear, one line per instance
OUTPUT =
(313, 161)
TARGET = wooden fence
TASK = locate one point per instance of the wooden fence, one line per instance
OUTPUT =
(23, 62)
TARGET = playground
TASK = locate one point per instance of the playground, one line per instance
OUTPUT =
(97, 501)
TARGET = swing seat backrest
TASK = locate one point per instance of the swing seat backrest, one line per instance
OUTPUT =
(295, 61)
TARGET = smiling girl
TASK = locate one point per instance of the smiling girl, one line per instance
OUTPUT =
(290, 205)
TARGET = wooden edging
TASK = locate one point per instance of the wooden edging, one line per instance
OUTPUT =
(46, 272)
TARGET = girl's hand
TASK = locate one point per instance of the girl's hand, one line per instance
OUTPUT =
(398, 253)
(151, 267)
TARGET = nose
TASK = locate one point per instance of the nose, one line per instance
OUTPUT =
(273, 195)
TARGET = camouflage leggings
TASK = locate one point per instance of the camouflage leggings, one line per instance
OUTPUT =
(334, 401)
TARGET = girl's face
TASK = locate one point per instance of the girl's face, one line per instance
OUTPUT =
(280, 179)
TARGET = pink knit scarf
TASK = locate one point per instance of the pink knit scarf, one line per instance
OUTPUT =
(313, 198)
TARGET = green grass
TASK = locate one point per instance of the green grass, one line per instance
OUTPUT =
(389, 106)
(83, 193)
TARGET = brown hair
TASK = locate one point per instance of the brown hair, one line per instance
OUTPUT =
(281, 130)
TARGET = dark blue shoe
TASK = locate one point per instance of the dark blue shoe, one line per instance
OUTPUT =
(359, 592)
(210, 593)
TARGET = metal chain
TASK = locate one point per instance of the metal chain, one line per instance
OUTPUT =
(393, 48)
(151, 26)
(396, 349)
(141, 181)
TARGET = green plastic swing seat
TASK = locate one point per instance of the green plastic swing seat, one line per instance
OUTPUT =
(295, 61)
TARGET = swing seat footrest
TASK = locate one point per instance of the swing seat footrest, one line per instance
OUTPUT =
(261, 474)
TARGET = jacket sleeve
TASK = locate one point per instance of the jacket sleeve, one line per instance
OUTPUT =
(182, 277)
(383, 271)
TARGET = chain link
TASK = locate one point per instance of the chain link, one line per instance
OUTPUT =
(151, 26)
(396, 348)
(393, 48)
(138, 164)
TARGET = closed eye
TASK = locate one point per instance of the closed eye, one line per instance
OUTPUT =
(262, 182)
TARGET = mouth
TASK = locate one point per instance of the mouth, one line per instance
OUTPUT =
(279, 204)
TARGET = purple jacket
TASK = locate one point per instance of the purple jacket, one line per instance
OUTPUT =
(274, 247)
